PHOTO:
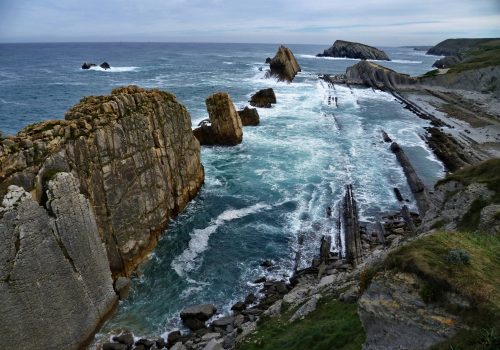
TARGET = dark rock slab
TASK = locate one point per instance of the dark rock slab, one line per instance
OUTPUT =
(263, 98)
(349, 49)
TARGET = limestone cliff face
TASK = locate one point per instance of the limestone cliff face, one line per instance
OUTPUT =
(284, 66)
(55, 281)
(376, 76)
(341, 48)
(135, 157)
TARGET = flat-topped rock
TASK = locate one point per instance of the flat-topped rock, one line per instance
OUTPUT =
(349, 49)
(200, 312)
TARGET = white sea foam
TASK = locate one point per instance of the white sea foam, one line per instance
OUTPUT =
(199, 237)
(113, 69)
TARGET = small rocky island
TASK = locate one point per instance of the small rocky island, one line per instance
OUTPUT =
(349, 49)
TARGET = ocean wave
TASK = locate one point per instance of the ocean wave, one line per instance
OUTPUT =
(113, 69)
(199, 237)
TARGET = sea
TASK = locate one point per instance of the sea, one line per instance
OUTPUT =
(259, 197)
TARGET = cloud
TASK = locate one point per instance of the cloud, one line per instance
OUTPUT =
(380, 22)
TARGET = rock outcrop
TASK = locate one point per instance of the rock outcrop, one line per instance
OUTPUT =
(134, 154)
(263, 98)
(105, 65)
(377, 76)
(249, 116)
(225, 125)
(55, 281)
(446, 62)
(284, 66)
(88, 65)
(341, 48)
(83, 199)
(452, 47)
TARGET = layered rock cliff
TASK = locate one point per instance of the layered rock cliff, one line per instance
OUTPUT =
(377, 76)
(283, 65)
(342, 48)
(83, 200)
(55, 281)
(134, 154)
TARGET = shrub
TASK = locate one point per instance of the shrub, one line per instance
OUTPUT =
(458, 257)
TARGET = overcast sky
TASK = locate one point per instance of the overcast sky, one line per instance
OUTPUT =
(377, 22)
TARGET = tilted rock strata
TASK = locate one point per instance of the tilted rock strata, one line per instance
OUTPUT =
(225, 124)
(55, 281)
(284, 66)
(342, 48)
(134, 154)
(377, 76)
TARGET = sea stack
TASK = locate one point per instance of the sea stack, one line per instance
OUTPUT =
(342, 48)
(284, 66)
(263, 98)
(225, 124)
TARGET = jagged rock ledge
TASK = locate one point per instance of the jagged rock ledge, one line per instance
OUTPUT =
(84, 199)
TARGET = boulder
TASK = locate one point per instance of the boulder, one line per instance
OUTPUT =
(223, 321)
(125, 338)
(249, 116)
(194, 317)
(284, 66)
(173, 338)
(342, 48)
(239, 306)
(263, 98)
(225, 123)
(105, 65)
(122, 287)
(88, 65)
(114, 346)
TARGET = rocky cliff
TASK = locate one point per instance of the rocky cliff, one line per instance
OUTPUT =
(55, 281)
(83, 199)
(341, 48)
(283, 65)
(377, 76)
(134, 155)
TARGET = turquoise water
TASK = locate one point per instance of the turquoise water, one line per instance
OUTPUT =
(259, 196)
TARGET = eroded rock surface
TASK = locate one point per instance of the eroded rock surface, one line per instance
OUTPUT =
(249, 116)
(135, 157)
(263, 98)
(55, 281)
(377, 76)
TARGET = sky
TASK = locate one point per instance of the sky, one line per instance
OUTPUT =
(377, 22)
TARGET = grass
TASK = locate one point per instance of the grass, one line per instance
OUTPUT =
(333, 325)
(487, 173)
(431, 73)
(484, 55)
(478, 281)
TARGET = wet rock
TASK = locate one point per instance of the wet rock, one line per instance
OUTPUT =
(114, 346)
(268, 60)
(122, 287)
(249, 117)
(173, 338)
(377, 76)
(351, 295)
(260, 280)
(125, 338)
(105, 65)
(88, 65)
(263, 98)
(210, 336)
(284, 66)
(145, 342)
(239, 306)
(342, 48)
(161, 343)
(250, 299)
(194, 317)
(267, 263)
(225, 123)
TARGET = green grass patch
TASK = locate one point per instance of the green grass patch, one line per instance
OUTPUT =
(433, 258)
(333, 325)
(484, 55)
(431, 73)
